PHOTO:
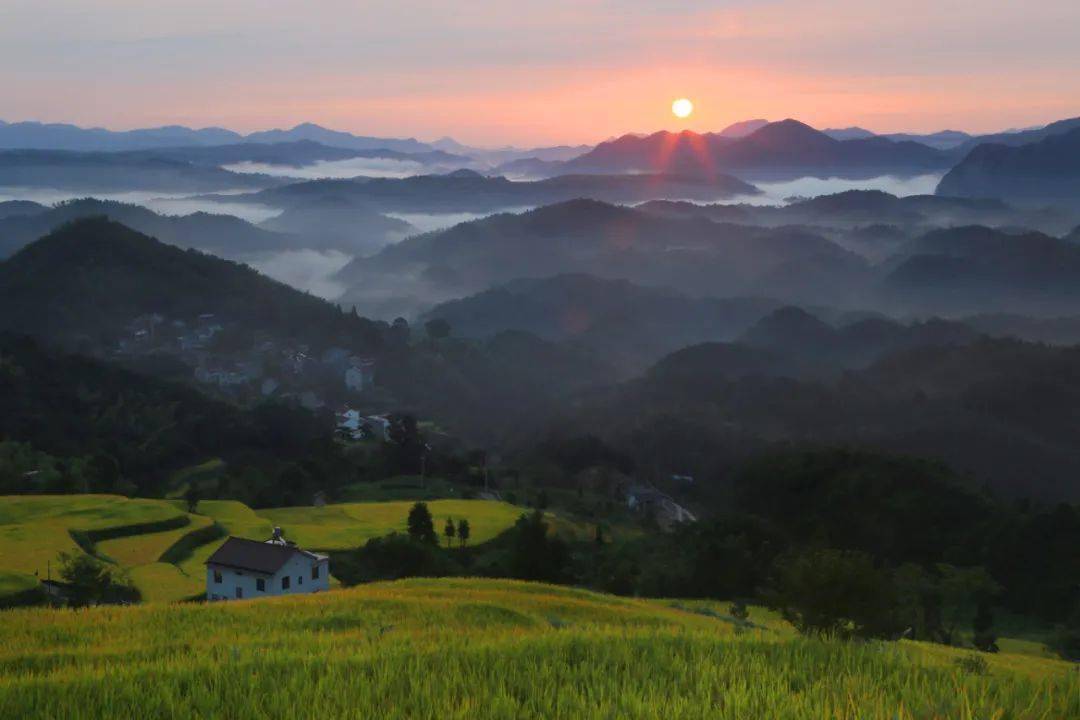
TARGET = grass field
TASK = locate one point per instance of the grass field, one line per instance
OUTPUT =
(348, 525)
(473, 648)
(34, 529)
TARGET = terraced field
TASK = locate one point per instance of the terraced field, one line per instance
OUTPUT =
(162, 548)
(477, 649)
(34, 529)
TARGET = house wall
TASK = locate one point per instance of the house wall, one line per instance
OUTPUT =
(297, 569)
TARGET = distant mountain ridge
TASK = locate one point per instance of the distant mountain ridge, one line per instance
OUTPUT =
(788, 147)
(59, 136)
(1047, 169)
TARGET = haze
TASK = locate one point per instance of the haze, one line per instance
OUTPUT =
(533, 73)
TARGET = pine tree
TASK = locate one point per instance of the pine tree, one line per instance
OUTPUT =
(421, 527)
(463, 532)
(449, 531)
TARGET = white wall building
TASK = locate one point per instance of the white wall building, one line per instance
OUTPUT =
(242, 569)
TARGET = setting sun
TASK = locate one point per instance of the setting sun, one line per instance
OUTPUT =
(682, 108)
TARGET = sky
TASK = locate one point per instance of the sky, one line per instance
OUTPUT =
(490, 72)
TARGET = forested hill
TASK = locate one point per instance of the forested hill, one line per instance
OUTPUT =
(90, 279)
(1002, 412)
(118, 431)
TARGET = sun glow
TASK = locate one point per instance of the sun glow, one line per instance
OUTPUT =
(682, 108)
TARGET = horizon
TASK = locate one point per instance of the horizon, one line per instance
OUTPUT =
(496, 147)
(547, 74)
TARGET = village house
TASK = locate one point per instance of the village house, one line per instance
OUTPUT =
(243, 569)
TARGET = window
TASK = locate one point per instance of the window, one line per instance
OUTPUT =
(217, 577)
(299, 579)
(260, 584)
(315, 572)
(239, 592)
(285, 582)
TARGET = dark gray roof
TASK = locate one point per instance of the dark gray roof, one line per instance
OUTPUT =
(252, 555)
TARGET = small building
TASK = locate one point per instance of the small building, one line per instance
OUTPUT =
(243, 569)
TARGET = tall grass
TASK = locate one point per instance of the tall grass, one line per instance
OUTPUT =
(469, 648)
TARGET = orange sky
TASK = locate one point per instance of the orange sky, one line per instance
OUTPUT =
(536, 73)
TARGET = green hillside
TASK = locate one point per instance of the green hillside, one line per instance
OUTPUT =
(349, 525)
(489, 649)
(162, 549)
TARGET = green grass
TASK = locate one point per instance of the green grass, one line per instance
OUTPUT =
(15, 582)
(146, 548)
(470, 648)
(34, 529)
(238, 520)
(348, 525)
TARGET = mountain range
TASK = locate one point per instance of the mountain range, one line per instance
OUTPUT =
(469, 191)
(349, 230)
(584, 236)
(1043, 170)
(57, 136)
(780, 149)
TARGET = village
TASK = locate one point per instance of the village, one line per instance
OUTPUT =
(248, 367)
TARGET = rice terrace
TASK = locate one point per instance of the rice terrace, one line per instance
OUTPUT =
(489, 649)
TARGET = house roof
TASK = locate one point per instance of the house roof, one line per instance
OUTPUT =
(253, 555)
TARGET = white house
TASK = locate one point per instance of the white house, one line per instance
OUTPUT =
(242, 569)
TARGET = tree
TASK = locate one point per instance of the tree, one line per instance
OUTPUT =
(983, 625)
(535, 555)
(407, 445)
(833, 592)
(963, 590)
(463, 531)
(449, 531)
(437, 329)
(192, 497)
(87, 578)
(421, 527)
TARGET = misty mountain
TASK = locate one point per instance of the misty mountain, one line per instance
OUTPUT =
(58, 136)
(291, 154)
(631, 326)
(336, 138)
(223, 235)
(15, 208)
(119, 172)
(469, 191)
(970, 270)
(1002, 410)
(84, 283)
(823, 349)
(696, 255)
(1044, 170)
(743, 128)
(849, 133)
(1015, 138)
(942, 140)
(779, 149)
(332, 224)
(504, 155)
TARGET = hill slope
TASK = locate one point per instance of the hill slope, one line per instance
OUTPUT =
(93, 277)
(485, 649)
(1045, 170)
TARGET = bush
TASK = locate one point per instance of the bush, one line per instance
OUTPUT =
(833, 592)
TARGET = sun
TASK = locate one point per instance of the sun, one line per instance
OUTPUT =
(682, 108)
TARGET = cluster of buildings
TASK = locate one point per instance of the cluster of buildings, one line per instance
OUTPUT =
(256, 367)
(354, 425)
